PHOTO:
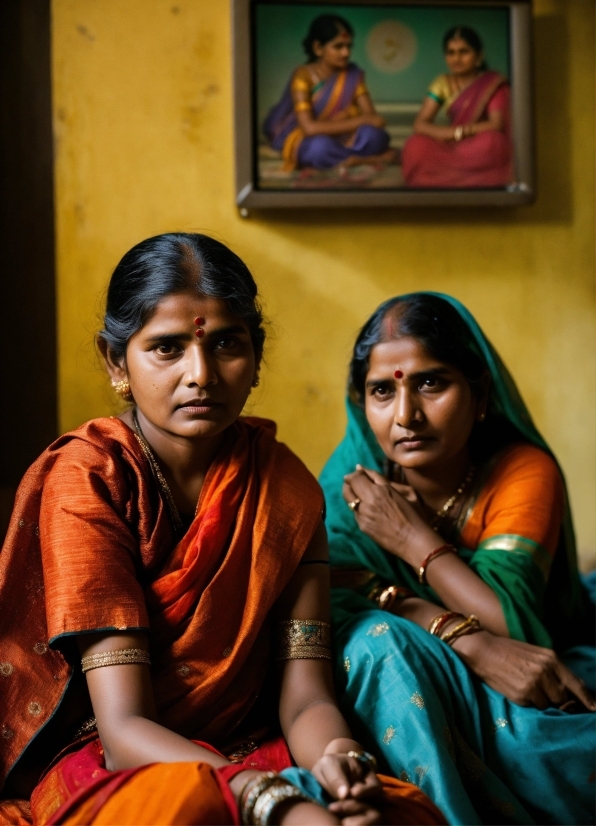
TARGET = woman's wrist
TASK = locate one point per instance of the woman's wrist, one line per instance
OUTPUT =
(470, 646)
(342, 745)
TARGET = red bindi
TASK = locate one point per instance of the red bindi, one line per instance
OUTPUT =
(200, 332)
(199, 321)
(398, 374)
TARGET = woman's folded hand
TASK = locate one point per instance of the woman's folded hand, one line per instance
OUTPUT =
(526, 674)
(352, 783)
(389, 513)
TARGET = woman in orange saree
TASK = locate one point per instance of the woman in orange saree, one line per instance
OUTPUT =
(179, 550)
(475, 149)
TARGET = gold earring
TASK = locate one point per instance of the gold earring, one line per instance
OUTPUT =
(123, 389)
(255, 381)
(482, 417)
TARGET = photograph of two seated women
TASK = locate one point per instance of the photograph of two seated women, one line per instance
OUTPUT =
(383, 98)
(197, 631)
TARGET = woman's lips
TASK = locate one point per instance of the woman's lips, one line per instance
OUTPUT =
(414, 442)
(199, 406)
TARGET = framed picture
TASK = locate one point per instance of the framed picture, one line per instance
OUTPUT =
(382, 103)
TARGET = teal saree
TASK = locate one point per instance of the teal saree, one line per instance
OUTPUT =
(410, 699)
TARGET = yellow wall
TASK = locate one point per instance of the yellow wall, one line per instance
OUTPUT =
(143, 121)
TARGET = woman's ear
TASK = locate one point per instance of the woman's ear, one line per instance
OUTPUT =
(317, 48)
(116, 367)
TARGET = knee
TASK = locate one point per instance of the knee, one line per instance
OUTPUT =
(372, 140)
(316, 150)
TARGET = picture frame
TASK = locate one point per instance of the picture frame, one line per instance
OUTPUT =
(398, 43)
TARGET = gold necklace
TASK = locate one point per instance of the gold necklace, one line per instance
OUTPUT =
(443, 512)
(173, 510)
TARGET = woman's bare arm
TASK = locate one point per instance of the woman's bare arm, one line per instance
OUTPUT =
(423, 125)
(317, 734)
(124, 707)
(342, 126)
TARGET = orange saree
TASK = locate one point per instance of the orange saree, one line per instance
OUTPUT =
(91, 547)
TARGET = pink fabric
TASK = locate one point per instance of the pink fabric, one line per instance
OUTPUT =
(483, 160)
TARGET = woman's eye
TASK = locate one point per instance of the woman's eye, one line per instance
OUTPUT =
(226, 343)
(382, 391)
(432, 383)
(166, 349)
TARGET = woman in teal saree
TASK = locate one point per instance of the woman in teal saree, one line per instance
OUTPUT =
(494, 725)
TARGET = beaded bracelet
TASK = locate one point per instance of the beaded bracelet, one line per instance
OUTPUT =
(443, 549)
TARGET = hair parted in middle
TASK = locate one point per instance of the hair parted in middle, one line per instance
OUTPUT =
(323, 29)
(172, 263)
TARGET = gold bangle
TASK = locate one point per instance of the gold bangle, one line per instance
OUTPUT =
(458, 133)
(469, 626)
(125, 656)
(303, 640)
(442, 620)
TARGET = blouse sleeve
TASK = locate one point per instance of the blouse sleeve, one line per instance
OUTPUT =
(360, 88)
(300, 89)
(519, 535)
(439, 90)
(88, 544)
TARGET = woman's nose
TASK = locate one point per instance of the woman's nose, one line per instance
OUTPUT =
(405, 411)
(200, 369)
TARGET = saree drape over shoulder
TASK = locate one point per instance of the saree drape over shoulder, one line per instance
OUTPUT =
(481, 758)
(481, 160)
(91, 548)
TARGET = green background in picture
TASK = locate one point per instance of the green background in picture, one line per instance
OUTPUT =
(280, 29)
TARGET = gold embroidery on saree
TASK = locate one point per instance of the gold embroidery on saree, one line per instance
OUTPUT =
(389, 735)
(377, 630)
(417, 700)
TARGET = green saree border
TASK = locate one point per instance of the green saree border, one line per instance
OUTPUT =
(513, 543)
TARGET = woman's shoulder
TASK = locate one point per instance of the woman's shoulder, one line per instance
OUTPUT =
(104, 448)
(302, 78)
(440, 88)
(523, 461)
(521, 493)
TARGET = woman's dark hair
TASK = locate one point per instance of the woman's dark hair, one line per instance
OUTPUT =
(323, 29)
(169, 264)
(471, 37)
(443, 333)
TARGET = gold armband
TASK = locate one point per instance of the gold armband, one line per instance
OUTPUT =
(126, 656)
(303, 640)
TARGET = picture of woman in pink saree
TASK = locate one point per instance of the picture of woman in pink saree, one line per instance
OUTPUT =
(325, 117)
(474, 149)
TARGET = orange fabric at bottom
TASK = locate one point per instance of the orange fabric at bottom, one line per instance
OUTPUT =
(172, 793)
(404, 803)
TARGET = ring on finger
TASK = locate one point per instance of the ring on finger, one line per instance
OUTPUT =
(353, 505)
(365, 758)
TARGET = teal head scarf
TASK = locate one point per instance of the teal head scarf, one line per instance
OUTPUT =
(526, 600)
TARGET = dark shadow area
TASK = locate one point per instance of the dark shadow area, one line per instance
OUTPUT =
(28, 410)
(554, 202)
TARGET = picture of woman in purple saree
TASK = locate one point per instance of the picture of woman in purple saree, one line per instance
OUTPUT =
(475, 149)
(325, 117)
